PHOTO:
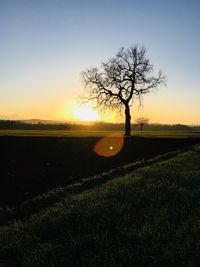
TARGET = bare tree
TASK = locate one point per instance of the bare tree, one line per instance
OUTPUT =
(141, 122)
(122, 79)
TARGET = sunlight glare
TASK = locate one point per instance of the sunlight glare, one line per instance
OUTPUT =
(86, 113)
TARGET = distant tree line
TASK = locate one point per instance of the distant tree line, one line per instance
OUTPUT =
(98, 126)
(169, 127)
(20, 125)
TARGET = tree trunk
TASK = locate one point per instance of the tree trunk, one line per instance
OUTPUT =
(127, 121)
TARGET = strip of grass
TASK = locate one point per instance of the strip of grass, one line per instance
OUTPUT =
(58, 133)
(176, 134)
(150, 217)
(66, 133)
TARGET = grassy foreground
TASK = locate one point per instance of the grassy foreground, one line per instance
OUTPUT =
(68, 133)
(150, 217)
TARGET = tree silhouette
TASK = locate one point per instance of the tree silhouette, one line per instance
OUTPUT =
(122, 79)
(142, 121)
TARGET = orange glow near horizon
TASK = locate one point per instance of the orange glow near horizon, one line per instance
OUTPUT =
(73, 112)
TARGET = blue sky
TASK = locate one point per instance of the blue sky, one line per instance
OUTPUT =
(45, 45)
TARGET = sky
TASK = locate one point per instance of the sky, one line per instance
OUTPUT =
(45, 44)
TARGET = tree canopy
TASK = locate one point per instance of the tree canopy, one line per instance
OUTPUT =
(122, 79)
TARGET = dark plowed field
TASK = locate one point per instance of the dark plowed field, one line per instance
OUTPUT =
(32, 165)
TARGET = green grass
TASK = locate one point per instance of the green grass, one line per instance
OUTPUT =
(64, 133)
(176, 134)
(150, 217)
(67, 133)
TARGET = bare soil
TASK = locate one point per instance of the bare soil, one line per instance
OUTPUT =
(33, 165)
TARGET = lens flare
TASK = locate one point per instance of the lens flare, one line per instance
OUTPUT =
(109, 146)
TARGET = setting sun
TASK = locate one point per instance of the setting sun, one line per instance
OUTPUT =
(85, 113)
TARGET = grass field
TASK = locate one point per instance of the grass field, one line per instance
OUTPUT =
(150, 217)
(67, 133)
